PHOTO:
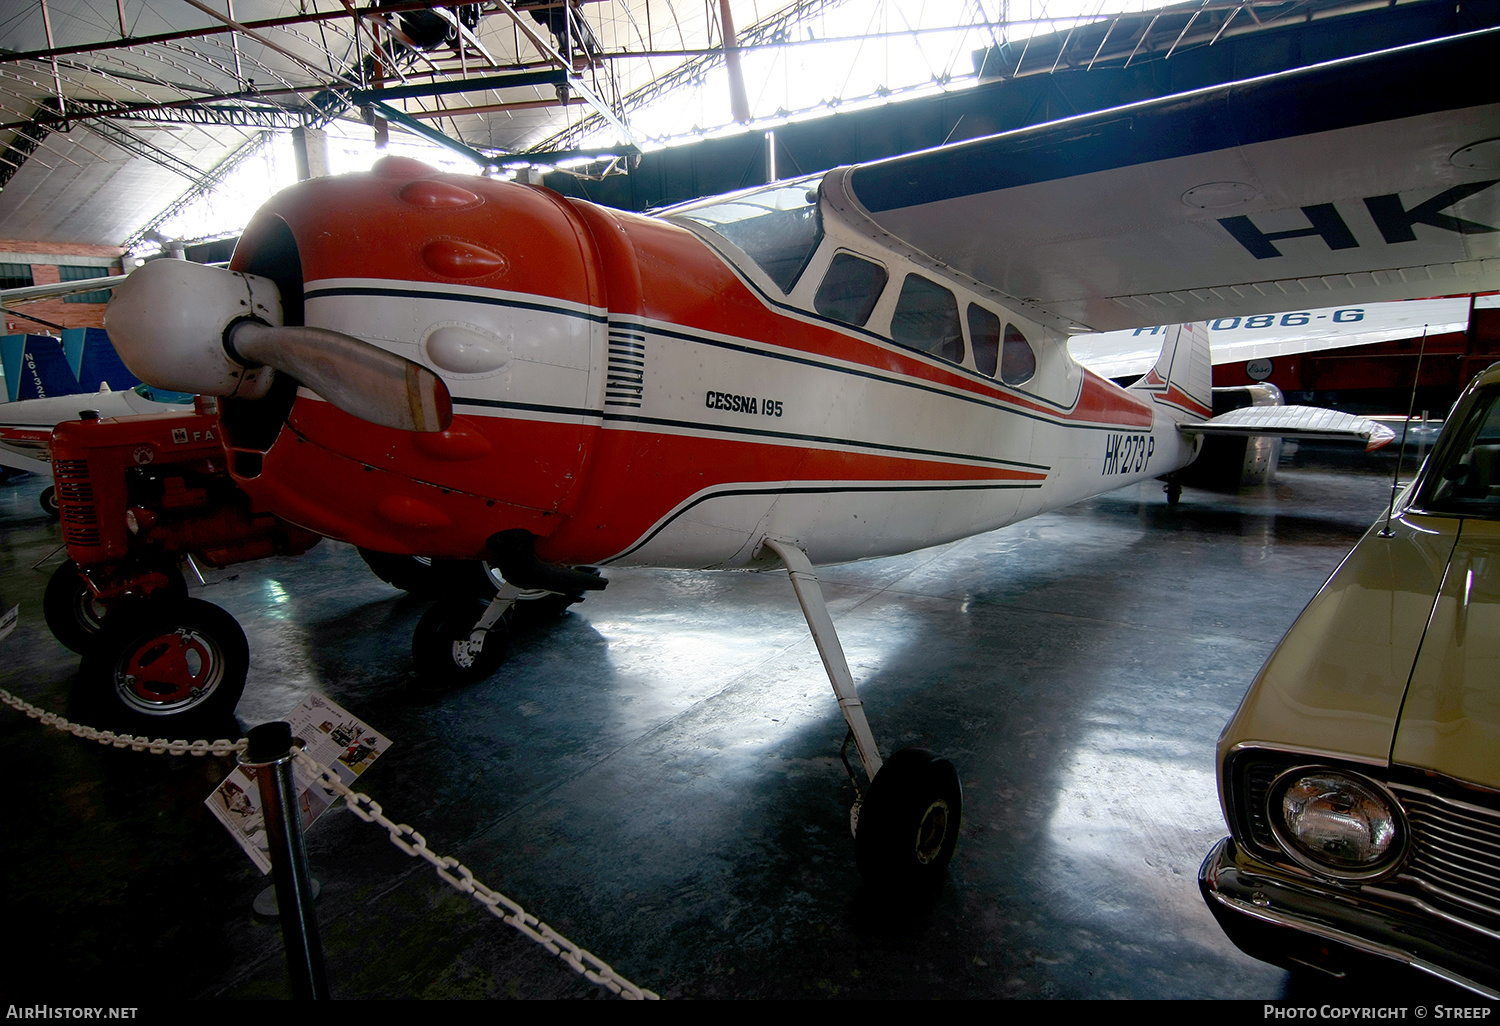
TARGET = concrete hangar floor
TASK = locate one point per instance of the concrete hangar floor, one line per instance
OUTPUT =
(656, 774)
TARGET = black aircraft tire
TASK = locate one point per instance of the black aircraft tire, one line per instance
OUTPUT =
(442, 649)
(440, 578)
(909, 821)
(166, 666)
(49, 502)
(541, 606)
(433, 578)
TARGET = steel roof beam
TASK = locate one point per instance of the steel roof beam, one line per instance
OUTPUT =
(556, 76)
(394, 7)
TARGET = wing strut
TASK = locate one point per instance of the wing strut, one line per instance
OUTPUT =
(810, 597)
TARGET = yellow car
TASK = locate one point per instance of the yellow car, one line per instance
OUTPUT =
(1360, 777)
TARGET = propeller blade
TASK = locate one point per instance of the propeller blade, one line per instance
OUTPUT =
(361, 379)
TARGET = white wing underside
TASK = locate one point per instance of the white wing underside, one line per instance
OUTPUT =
(1128, 354)
(1304, 422)
(1371, 179)
(33, 293)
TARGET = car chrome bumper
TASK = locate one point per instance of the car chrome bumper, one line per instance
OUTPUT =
(1295, 922)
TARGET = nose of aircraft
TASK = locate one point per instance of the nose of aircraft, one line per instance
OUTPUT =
(206, 330)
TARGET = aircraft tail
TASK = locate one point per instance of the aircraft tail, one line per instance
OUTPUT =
(1181, 383)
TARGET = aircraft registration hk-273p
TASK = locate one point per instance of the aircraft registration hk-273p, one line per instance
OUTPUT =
(848, 366)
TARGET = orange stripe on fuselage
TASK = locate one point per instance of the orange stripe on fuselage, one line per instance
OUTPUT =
(666, 470)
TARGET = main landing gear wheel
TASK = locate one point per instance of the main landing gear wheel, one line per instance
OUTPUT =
(538, 605)
(156, 663)
(449, 648)
(426, 577)
(908, 821)
(49, 502)
(420, 575)
(74, 613)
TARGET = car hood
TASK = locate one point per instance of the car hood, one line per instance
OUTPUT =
(1392, 614)
(1450, 721)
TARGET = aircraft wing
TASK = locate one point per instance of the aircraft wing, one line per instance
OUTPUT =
(1305, 422)
(16, 460)
(1358, 180)
(1131, 353)
(31, 293)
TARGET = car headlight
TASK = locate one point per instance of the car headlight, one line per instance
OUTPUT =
(1335, 823)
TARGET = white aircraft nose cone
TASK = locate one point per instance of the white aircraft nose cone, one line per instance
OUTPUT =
(167, 322)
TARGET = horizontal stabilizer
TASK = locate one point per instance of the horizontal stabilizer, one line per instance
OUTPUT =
(1307, 422)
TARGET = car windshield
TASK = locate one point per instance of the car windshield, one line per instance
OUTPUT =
(777, 227)
(1465, 477)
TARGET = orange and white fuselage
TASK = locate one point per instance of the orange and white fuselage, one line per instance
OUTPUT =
(628, 391)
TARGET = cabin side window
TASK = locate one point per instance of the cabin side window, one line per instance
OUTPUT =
(984, 339)
(926, 319)
(1017, 359)
(850, 289)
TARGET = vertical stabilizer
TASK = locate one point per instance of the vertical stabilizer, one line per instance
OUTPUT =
(1181, 383)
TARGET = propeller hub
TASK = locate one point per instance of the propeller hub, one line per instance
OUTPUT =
(169, 320)
(201, 329)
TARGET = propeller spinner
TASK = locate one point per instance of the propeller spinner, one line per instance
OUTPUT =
(206, 330)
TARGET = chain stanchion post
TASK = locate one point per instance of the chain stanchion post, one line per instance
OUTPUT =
(276, 751)
(271, 753)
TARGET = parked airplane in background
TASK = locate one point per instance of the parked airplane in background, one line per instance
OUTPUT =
(846, 366)
(26, 426)
(1258, 342)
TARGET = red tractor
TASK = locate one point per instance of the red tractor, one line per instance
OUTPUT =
(138, 495)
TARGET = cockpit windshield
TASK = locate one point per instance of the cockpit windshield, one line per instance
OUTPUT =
(1465, 479)
(778, 227)
(162, 395)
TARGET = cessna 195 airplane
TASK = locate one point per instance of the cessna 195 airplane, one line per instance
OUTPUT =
(847, 366)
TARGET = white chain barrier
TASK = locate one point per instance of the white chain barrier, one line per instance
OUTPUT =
(161, 746)
(582, 962)
(586, 964)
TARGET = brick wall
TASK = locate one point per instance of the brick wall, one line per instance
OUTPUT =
(45, 258)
